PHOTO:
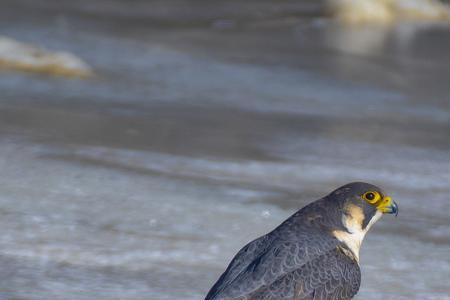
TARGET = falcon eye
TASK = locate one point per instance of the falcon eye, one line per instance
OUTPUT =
(371, 197)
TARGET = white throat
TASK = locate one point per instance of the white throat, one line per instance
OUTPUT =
(355, 235)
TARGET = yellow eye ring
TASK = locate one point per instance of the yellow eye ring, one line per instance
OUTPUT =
(371, 197)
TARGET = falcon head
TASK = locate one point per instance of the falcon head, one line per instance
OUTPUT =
(361, 205)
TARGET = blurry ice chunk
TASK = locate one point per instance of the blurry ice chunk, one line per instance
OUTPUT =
(387, 11)
(25, 57)
(360, 11)
(421, 9)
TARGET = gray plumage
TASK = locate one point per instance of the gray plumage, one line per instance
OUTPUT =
(300, 259)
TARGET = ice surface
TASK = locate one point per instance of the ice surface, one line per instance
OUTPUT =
(123, 229)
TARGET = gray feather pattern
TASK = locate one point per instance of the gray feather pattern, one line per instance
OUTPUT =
(298, 260)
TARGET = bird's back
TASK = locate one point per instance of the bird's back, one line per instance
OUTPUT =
(282, 262)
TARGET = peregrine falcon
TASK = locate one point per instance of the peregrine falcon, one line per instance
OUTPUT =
(314, 254)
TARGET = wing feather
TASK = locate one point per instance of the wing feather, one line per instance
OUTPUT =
(330, 276)
(264, 260)
(266, 267)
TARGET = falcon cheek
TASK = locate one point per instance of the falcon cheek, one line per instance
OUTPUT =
(355, 233)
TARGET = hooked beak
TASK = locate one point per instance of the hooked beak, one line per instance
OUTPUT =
(388, 206)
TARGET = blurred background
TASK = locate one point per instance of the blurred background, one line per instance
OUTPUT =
(144, 142)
